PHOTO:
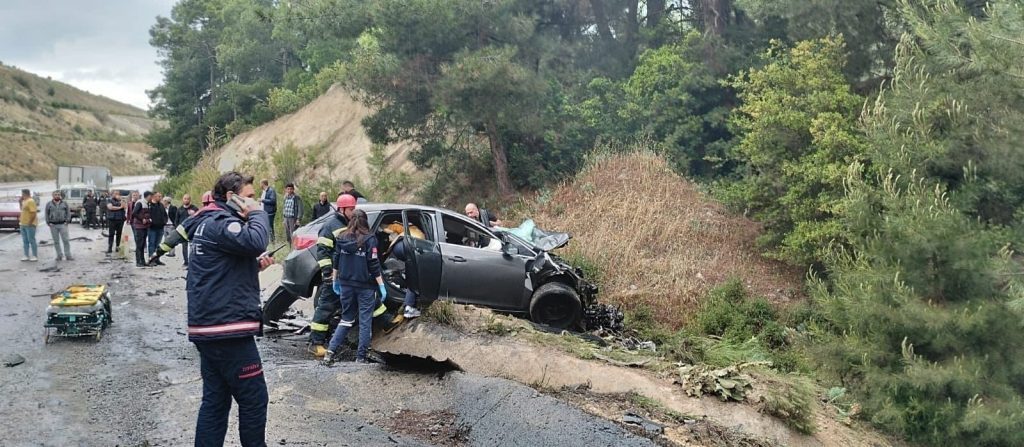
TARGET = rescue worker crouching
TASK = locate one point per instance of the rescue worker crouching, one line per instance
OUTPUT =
(227, 246)
(329, 303)
(357, 272)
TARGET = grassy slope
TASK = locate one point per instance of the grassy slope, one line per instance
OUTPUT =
(657, 240)
(44, 123)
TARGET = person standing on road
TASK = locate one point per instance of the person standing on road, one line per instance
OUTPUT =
(158, 219)
(140, 226)
(58, 216)
(329, 302)
(27, 225)
(358, 273)
(89, 204)
(322, 207)
(186, 210)
(228, 242)
(115, 222)
(172, 221)
(269, 199)
(292, 211)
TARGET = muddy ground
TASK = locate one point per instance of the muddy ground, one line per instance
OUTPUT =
(140, 385)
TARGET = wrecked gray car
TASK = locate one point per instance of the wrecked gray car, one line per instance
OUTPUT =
(458, 260)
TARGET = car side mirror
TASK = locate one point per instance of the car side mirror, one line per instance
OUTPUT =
(509, 249)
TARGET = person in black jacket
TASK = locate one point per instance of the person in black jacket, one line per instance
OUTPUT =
(328, 303)
(157, 220)
(349, 188)
(322, 207)
(357, 272)
(89, 205)
(228, 239)
(115, 220)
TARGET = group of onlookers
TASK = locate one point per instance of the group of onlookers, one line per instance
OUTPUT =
(150, 218)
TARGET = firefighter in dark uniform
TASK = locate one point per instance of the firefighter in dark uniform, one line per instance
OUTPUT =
(226, 254)
(329, 302)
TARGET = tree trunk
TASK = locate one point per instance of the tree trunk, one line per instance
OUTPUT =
(601, 20)
(714, 16)
(655, 11)
(500, 158)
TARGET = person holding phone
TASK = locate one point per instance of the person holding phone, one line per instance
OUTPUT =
(227, 240)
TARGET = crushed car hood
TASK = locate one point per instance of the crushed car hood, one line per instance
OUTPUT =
(542, 239)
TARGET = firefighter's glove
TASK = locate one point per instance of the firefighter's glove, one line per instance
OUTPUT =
(383, 292)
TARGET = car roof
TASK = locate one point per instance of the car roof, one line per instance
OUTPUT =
(400, 206)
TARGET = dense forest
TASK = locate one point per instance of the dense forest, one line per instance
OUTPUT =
(878, 142)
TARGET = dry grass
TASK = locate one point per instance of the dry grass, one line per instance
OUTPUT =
(657, 240)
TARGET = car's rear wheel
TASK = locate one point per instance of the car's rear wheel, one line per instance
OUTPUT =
(277, 305)
(556, 305)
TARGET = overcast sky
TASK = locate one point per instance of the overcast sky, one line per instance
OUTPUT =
(101, 46)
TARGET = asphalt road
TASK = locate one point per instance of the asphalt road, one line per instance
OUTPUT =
(46, 187)
(140, 384)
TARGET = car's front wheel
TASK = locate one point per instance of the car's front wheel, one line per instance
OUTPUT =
(556, 305)
(277, 305)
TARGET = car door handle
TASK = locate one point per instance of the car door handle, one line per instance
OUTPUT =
(456, 259)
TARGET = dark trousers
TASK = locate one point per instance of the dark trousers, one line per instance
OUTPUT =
(114, 232)
(140, 245)
(356, 302)
(184, 252)
(231, 369)
(326, 307)
(155, 234)
(271, 216)
(90, 220)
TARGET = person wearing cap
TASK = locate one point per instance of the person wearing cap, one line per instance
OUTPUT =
(329, 301)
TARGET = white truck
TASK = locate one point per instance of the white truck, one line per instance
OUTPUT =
(75, 182)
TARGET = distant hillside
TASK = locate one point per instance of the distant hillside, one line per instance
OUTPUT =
(45, 123)
(331, 127)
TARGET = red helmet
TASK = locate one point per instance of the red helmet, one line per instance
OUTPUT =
(207, 197)
(346, 201)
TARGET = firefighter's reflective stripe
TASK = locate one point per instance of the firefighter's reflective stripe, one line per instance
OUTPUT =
(380, 310)
(324, 263)
(326, 242)
(319, 327)
(166, 248)
(182, 232)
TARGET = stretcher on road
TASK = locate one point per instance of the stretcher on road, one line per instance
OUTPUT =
(78, 311)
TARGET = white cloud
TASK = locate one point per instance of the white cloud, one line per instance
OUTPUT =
(98, 46)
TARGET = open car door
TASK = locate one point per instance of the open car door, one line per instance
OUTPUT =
(424, 255)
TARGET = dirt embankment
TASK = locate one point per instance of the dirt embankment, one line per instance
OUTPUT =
(532, 358)
(658, 239)
(45, 123)
(329, 129)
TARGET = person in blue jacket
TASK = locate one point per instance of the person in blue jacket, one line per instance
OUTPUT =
(357, 271)
(227, 243)
(269, 199)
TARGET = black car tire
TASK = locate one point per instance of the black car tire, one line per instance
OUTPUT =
(277, 305)
(557, 305)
